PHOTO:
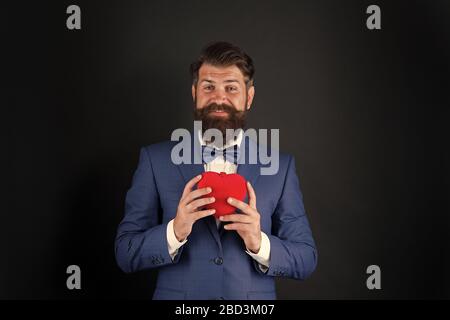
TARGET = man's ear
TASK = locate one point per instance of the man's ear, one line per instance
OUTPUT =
(250, 96)
(193, 93)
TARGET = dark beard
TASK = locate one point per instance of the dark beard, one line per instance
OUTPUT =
(235, 119)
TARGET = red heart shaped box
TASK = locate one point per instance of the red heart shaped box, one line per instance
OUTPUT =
(223, 186)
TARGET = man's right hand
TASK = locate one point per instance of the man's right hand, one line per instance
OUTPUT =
(189, 209)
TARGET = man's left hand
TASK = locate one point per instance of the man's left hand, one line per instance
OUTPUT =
(247, 224)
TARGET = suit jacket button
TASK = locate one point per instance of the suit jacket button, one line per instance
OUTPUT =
(218, 260)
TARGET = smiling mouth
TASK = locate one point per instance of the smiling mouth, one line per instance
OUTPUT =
(220, 113)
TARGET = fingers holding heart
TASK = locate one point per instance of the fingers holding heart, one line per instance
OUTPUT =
(251, 195)
(245, 227)
(248, 220)
(244, 207)
(247, 223)
(237, 218)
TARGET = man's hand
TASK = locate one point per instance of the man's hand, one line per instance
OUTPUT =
(247, 224)
(187, 212)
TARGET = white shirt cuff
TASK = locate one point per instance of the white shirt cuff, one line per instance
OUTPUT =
(172, 242)
(263, 255)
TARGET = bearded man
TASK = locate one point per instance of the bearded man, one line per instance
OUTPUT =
(167, 225)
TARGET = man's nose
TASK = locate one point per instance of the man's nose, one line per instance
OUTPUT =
(220, 96)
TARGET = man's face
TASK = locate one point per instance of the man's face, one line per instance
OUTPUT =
(221, 97)
(222, 85)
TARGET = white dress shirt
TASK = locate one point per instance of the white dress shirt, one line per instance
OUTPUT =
(219, 164)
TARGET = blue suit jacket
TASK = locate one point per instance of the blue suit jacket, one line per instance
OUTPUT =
(212, 264)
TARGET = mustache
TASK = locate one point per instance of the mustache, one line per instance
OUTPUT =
(235, 120)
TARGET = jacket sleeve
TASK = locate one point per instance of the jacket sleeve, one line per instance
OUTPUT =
(293, 251)
(141, 241)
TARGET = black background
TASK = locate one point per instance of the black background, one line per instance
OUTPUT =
(365, 113)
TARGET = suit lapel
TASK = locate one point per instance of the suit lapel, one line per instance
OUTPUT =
(250, 172)
(188, 171)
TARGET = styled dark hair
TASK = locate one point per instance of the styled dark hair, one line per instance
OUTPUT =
(224, 54)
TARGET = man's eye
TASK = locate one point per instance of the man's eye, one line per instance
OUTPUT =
(209, 88)
(232, 89)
